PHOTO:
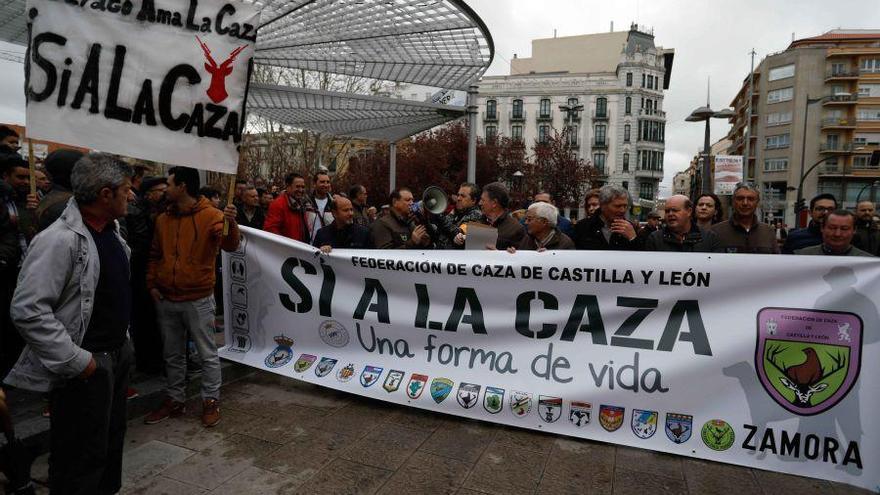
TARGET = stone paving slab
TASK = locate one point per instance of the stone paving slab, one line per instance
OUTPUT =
(279, 436)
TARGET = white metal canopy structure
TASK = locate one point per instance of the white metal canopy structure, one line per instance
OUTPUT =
(440, 43)
(345, 114)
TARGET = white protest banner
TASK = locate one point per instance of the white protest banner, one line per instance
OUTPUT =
(758, 360)
(161, 80)
(728, 173)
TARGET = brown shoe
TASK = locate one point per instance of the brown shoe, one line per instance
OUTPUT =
(210, 412)
(168, 409)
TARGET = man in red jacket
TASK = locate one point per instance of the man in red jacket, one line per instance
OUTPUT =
(286, 214)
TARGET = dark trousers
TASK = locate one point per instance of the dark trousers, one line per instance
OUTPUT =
(11, 343)
(144, 329)
(88, 428)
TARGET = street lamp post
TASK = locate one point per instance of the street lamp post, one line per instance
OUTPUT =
(517, 183)
(800, 191)
(800, 188)
(570, 112)
(705, 114)
(872, 185)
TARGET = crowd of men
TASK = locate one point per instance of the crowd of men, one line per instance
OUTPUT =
(330, 220)
(105, 269)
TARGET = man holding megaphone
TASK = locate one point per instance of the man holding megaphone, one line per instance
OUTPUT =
(397, 229)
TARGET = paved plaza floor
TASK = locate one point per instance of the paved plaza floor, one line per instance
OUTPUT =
(280, 436)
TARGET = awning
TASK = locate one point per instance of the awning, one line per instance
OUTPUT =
(345, 114)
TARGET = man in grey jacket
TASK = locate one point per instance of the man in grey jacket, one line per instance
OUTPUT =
(838, 230)
(72, 307)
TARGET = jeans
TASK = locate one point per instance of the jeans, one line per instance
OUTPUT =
(196, 319)
(88, 428)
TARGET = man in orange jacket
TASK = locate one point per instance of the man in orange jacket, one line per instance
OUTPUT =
(180, 278)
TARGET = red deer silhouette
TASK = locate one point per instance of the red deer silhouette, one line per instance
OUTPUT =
(217, 90)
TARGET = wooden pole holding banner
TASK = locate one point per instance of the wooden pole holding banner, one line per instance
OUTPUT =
(32, 167)
(230, 195)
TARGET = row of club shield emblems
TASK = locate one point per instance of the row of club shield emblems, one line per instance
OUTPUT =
(716, 434)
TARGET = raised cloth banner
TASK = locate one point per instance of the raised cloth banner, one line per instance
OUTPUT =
(161, 80)
(758, 360)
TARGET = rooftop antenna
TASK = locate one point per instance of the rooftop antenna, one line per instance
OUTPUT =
(612, 26)
(554, 32)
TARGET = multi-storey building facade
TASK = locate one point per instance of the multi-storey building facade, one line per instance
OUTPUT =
(817, 102)
(607, 89)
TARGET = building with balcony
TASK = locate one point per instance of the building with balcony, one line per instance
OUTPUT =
(818, 101)
(606, 88)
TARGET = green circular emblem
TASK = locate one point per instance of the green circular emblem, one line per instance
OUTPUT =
(717, 434)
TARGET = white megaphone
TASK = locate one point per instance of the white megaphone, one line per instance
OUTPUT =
(434, 200)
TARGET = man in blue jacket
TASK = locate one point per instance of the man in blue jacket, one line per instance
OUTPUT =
(342, 233)
(811, 235)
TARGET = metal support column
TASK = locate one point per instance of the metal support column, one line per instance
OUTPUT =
(392, 168)
(472, 134)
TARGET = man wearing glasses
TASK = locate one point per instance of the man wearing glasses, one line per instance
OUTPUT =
(811, 235)
(743, 233)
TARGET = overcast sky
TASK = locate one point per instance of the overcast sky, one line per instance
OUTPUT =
(711, 38)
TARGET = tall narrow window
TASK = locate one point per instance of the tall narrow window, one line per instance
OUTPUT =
(517, 109)
(626, 162)
(543, 133)
(627, 129)
(629, 79)
(601, 107)
(545, 107)
(599, 162)
(628, 107)
(491, 109)
(516, 133)
(491, 132)
(600, 134)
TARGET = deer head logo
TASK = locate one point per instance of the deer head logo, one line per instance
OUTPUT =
(217, 90)
(806, 378)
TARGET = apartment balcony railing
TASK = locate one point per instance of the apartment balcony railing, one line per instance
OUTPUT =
(840, 99)
(842, 74)
(517, 116)
(652, 112)
(490, 117)
(600, 143)
(837, 122)
(600, 116)
(544, 116)
(835, 148)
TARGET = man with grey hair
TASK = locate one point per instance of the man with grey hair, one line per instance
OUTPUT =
(542, 231)
(608, 229)
(72, 307)
(743, 233)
